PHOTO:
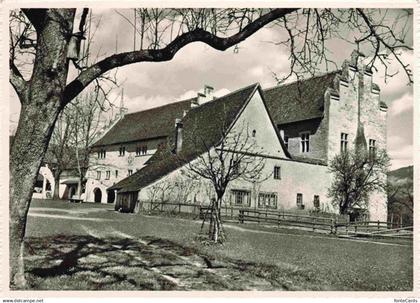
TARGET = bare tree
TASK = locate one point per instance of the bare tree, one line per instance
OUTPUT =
(43, 44)
(236, 157)
(60, 151)
(87, 122)
(401, 199)
(356, 175)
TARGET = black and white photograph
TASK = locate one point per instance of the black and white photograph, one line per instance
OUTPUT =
(238, 148)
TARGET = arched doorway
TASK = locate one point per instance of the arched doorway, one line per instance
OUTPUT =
(72, 191)
(98, 195)
(39, 183)
(111, 196)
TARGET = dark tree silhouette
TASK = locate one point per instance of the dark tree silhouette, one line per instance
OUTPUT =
(356, 175)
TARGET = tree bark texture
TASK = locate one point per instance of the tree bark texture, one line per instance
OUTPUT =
(39, 112)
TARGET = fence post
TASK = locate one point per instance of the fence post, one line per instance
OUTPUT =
(313, 224)
(332, 223)
(392, 220)
(179, 208)
(258, 217)
(378, 225)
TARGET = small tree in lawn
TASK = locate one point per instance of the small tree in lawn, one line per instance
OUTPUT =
(236, 157)
(357, 174)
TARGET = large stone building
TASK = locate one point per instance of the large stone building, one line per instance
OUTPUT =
(299, 127)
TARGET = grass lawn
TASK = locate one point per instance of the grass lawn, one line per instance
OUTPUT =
(89, 246)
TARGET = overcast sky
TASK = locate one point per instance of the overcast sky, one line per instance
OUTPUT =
(152, 84)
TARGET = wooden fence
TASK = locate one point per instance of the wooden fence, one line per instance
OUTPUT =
(282, 218)
(171, 207)
(335, 224)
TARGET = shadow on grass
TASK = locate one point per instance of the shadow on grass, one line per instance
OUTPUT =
(76, 255)
(89, 263)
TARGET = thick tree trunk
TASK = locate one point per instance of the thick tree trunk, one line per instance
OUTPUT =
(30, 144)
(42, 101)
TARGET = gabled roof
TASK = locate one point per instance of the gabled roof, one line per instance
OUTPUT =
(299, 100)
(204, 123)
(153, 123)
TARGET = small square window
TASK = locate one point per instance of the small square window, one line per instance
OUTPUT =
(277, 172)
(108, 174)
(372, 148)
(116, 173)
(102, 154)
(267, 200)
(122, 151)
(316, 202)
(304, 142)
(343, 142)
(241, 197)
(299, 201)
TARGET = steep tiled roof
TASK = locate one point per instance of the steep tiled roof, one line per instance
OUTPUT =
(300, 100)
(152, 123)
(204, 123)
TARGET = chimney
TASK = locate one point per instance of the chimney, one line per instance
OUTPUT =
(201, 98)
(178, 135)
(208, 92)
(205, 96)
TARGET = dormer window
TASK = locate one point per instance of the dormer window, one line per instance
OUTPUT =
(254, 133)
(286, 142)
(122, 151)
(304, 142)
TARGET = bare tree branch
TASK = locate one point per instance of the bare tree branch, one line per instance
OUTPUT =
(18, 83)
(168, 52)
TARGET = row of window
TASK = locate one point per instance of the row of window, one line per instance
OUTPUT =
(267, 200)
(108, 174)
(304, 143)
(344, 144)
(140, 151)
